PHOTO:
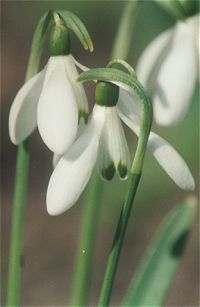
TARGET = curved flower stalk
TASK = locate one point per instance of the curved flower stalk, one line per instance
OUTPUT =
(103, 142)
(52, 99)
(168, 69)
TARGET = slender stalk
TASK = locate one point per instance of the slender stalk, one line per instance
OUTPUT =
(15, 258)
(118, 241)
(123, 37)
(86, 243)
(90, 213)
(21, 176)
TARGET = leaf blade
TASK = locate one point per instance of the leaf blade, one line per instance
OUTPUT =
(152, 281)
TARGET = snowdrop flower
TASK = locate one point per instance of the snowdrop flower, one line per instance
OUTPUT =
(103, 143)
(52, 100)
(168, 68)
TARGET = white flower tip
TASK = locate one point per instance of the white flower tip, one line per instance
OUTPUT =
(12, 137)
(188, 183)
(55, 207)
(53, 211)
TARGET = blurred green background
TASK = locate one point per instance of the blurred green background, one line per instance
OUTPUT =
(50, 242)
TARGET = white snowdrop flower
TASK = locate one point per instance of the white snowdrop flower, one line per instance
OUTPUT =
(103, 143)
(168, 158)
(52, 100)
(168, 69)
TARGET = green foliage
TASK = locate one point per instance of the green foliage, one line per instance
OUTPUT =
(154, 275)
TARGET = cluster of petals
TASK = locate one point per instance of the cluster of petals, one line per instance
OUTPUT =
(103, 142)
(168, 68)
(52, 100)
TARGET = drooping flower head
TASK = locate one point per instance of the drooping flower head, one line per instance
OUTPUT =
(168, 69)
(52, 99)
(103, 143)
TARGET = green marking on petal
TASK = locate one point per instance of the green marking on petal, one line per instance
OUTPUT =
(122, 170)
(108, 172)
(83, 114)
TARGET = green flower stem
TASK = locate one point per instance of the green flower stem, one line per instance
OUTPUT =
(118, 241)
(21, 177)
(131, 84)
(86, 242)
(90, 212)
(123, 38)
(15, 258)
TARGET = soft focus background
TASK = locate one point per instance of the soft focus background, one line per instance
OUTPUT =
(50, 242)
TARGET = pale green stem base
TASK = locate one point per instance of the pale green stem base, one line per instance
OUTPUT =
(15, 258)
(81, 281)
(117, 242)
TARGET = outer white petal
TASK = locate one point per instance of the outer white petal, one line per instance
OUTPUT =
(81, 128)
(57, 113)
(177, 77)
(162, 151)
(79, 91)
(23, 112)
(113, 149)
(171, 162)
(74, 169)
(129, 105)
(82, 67)
(152, 58)
(56, 159)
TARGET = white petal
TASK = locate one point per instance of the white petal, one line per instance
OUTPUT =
(74, 169)
(56, 159)
(81, 128)
(152, 58)
(79, 91)
(177, 78)
(57, 109)
(113, 149)
(82, 67)
(171, 162)
(23, 112)
(128, 103)
(165, 154)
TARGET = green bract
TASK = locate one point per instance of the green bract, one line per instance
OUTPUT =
(75, 24)
(123, 66)
(106, 94)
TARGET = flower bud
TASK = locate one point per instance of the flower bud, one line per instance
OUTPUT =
(106, 94)
(59, 41)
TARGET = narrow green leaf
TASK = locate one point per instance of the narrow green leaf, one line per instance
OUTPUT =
(154, 276)
(76, 25)
(38, 44)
